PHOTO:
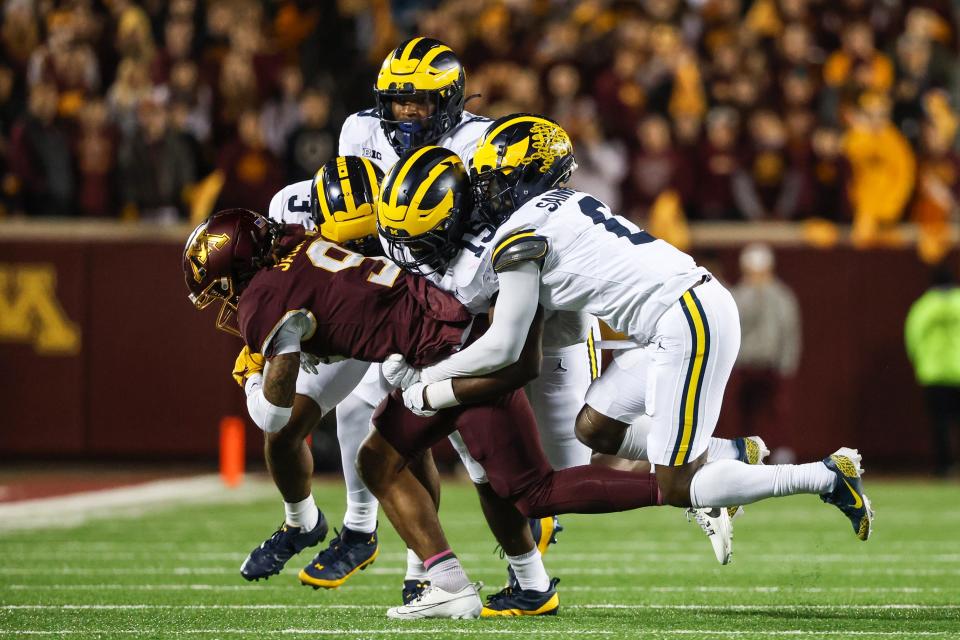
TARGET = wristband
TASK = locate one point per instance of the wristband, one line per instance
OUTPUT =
(440, 395)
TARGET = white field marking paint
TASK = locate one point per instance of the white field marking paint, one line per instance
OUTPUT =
(477, 629)
(570, 589)
(667, 607)
(125, 502)
(399, 571)
(561, 560)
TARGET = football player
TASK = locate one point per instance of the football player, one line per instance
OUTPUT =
(420, 97)
(660, 400)
(302, 300)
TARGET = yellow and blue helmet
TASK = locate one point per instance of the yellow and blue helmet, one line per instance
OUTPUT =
(424, 207)
(344, 201)
(420, 68)
(519, 157)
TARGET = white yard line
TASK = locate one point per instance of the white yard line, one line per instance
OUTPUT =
(668, 607)
(478, 629)
(557, 559)
(399, 571)
(132, 501)
(565, 589)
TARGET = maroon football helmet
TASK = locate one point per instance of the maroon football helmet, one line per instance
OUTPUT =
(221, 256)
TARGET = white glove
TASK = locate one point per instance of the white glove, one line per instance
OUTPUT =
(413, 400)
(398, 373)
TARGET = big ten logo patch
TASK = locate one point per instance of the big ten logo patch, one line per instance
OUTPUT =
(30, 312)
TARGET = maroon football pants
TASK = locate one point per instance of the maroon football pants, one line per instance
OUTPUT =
(502, 436)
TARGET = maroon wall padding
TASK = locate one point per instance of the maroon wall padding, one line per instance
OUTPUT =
(152, 378)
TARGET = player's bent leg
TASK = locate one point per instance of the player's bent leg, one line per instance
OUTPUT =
(291, 466)
(356, 546)
(836, 480)
(412, 511)
(518, 469)
(529, 592)
(399, 438)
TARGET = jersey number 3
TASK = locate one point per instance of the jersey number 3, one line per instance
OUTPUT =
(600, 214)
(320, 254)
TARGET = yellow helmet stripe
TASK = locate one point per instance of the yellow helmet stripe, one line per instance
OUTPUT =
(509, 241)
(372, 176)
(433, 53)
(321, 196)
(431, 178)
(405, 55)
(402, 174)
(343, 172)
(509, 123)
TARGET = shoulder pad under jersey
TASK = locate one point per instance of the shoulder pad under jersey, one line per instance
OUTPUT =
(520, 246)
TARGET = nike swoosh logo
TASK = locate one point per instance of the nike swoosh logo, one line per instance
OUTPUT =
(857, 501)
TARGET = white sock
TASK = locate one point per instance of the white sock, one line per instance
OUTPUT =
(361, 516)
(447, 574)
(303, 514)
(530, 572)
(722, 449)
(727, 483)
(415, 569)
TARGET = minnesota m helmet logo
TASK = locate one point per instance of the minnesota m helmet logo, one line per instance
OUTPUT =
(200, 250)
(31, 313)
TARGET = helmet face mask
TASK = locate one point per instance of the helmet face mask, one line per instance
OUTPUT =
(424, 207)
(222, 255)
(425, 70)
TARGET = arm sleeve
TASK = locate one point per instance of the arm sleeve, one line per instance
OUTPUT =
(503, 342)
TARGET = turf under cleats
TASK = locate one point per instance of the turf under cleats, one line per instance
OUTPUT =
(434, 602)
(847, 494)
(412, 589)
(545, 531)
(716, 524)
(511, 602)
(751, 450)
(287, 541)
(350, 551)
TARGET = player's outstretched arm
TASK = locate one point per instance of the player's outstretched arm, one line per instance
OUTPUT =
(521, 372)
(503, 343)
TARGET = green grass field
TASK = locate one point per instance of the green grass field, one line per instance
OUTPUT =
(797, 571)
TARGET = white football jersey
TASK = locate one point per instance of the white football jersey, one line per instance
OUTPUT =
(471, 278)
(292, 205)
(363, 136)
(600, 263)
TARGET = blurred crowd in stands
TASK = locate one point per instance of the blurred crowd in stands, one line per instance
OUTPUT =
(704, 110)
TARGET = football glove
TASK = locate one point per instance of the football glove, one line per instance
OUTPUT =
(247, 364)
(413, 400)
(398, 373)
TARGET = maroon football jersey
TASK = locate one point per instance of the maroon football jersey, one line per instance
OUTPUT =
(362, 308)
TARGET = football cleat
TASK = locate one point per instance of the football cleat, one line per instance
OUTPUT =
(434, 602)
(412, 589)
(287, 541)
(520, 602)
(847, 494)
(716, 524)
(752, 450)
(545, 531)
(349, 552)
